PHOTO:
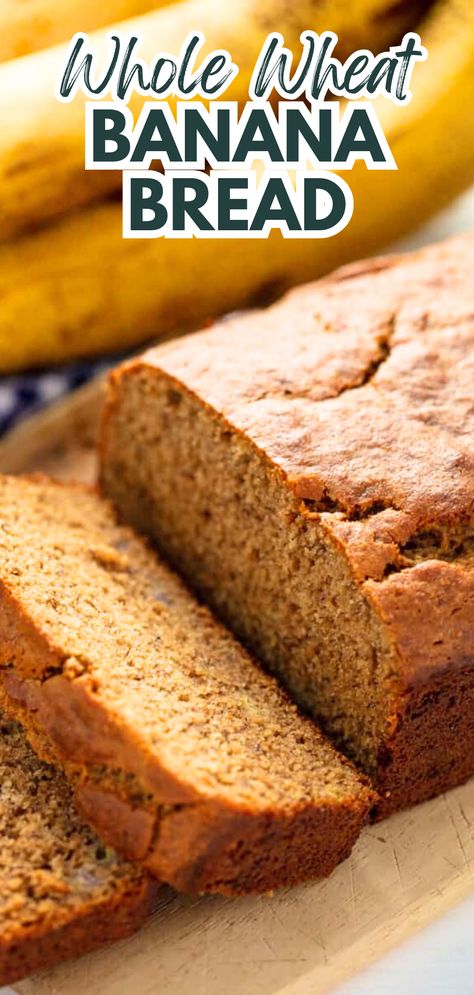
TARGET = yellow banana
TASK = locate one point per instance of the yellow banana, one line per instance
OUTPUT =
(78, 288)
(35, 24)
(42, 141)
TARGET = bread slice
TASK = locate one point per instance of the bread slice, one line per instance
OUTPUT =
(310, 470)
(62, 892)
(188, 758)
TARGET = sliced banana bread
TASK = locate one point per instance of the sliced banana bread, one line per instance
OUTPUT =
(310, 470)
(62, 892)
(186, 756)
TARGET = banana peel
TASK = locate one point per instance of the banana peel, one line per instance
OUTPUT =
(42, 172)
(36, 24)
(78, 289)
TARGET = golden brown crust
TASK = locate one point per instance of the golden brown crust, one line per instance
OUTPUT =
(393, 342)
(203, 848)
(357, 391)
(429, 612)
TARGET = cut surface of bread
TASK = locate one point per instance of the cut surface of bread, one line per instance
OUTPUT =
(187, 757)
(62, 892)
(309, 469)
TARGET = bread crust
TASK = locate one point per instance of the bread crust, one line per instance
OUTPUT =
(357, 392)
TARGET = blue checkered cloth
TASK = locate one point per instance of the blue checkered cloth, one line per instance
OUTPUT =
(26, 394)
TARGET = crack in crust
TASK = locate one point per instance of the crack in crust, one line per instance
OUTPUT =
(359, 390)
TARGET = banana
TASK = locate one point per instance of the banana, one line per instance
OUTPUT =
(35, 24)
(42, 142)
(77, 288)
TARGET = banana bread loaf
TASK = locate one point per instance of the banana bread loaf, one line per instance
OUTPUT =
(186, 756)
(310, 470)
(62, 892)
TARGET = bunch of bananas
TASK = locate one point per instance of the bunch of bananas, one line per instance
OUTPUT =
(70, 286)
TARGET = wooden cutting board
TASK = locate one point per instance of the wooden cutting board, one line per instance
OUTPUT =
(401, 875)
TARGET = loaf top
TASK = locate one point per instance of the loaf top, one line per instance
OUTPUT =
(54, 870)
(158, 687)
(360, 391)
